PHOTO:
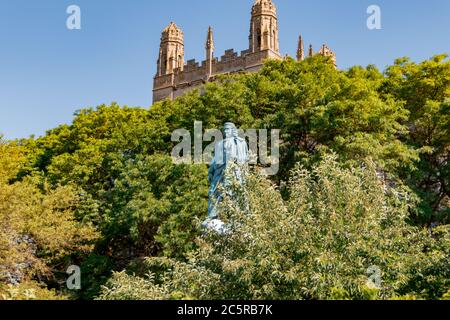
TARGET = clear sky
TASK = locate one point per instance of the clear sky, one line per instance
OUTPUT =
(47, 72)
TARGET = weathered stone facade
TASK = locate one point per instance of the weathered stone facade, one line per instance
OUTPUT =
(174, 78)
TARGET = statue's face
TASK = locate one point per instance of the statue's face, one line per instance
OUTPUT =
(228, 131)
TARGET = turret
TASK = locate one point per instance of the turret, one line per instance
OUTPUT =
(171, 51)
(327, 52)
(264, 27)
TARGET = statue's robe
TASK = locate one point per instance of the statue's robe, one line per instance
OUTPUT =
(229, 150)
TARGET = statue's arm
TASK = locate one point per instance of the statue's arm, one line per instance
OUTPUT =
(218, 154)
(247, 156)
(212, 169)
(245, 151)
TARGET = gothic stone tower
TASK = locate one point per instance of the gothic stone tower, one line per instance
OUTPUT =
(174, 77)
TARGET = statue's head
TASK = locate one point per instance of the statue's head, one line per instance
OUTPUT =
(230, 130)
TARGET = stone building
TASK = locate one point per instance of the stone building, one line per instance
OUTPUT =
(174, 77)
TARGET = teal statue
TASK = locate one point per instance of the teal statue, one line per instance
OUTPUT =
(232, 149)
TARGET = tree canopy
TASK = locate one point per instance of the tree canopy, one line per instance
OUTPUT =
(104, 193)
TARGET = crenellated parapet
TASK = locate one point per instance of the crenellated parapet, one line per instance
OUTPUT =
(195, 74)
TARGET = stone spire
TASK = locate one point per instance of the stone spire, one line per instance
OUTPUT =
(209, 51)
(311, 51)
(210, 39)
(300, 50)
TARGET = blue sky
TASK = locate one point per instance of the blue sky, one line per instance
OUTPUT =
(47, 72)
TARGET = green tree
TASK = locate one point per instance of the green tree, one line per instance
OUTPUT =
(320, 109)
(153, 206)
(114, 161)
(424, 89)
(38, 230)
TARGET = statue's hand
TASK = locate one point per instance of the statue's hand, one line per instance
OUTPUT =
(210, 177)
(211, 172)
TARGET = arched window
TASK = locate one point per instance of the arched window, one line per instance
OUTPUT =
(259, 39)
(273, 40)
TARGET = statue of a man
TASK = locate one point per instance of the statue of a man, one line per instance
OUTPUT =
(232, 149)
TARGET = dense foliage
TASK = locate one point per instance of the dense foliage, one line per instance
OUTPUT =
(338, 225)
(38, 230)
(425, 91)
(109, 177)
